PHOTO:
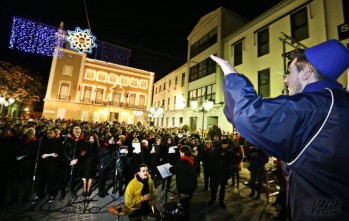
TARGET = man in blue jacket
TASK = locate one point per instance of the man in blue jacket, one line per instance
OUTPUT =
(308, 130)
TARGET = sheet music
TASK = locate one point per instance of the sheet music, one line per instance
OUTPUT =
(172, 149)
(164, 170)
(156, 148)
(20, 157)
(137, 147)
(122, 151)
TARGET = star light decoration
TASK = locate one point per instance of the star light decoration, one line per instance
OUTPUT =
(81, 40)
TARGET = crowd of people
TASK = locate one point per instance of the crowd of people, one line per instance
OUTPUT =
(66, 155)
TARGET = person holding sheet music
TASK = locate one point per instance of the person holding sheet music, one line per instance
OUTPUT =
(219, 169)
(120, 163)
(132, 143)
(155, 159)
(26, 150)
(186, 177)
(145, 152)
(49, 161)
(195, 148)
(133, 159)
(169, 154)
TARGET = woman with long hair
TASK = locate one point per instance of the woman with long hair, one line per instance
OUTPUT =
(169, 154)
(89, 162)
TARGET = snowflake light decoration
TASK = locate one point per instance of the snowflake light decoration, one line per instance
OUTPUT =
(81, 40)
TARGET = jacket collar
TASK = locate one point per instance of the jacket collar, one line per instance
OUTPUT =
(320, 85)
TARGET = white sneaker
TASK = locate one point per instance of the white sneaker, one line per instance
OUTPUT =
(51, 199)
(35, 200)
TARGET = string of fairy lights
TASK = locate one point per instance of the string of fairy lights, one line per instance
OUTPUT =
(112, 53)
(34, 37)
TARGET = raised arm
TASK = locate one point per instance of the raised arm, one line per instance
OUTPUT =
(224, 64)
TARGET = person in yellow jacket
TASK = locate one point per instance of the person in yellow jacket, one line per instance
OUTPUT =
(140, 195)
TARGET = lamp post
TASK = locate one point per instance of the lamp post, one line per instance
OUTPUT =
(26, 112)
(206, 106)
(155, 112)
(5, 102)
(138, 114)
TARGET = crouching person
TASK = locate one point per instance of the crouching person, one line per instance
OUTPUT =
(140, 195)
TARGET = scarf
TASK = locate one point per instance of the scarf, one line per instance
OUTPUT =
(29, 141)
(145, 189)
(73, 137)
(189, 159)
(211, 149)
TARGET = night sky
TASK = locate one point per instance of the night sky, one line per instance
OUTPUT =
(155, 31)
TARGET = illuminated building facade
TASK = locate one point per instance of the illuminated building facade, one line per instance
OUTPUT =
(91, 90)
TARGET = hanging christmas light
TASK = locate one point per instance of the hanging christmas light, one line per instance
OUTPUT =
(60, 40)
(34, 37)
(112, 53)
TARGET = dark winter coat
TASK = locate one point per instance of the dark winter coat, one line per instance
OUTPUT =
(220, 164)
(72, 148)
(104, 156)
(167, 157)
(26, 152)
(88, 160)
(186, 177)
(48, 146)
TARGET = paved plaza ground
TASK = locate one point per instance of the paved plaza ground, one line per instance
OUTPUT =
(240, 207)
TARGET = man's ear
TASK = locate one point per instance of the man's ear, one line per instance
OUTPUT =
(306, 73)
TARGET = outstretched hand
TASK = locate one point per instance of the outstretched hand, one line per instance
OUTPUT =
(226, 67)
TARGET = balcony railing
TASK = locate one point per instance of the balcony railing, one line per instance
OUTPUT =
(63, 97)
(86, 100)
(101, 102)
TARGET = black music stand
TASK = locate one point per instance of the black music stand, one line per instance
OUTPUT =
(120, 152)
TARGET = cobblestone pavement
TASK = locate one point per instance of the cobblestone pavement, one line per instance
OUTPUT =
(240, 207)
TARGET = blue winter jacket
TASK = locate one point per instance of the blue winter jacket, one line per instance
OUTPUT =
(309, 131)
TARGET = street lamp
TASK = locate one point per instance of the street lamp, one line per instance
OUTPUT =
(137, 114)
(206, 106)
(26, 112)
(155, 112)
